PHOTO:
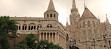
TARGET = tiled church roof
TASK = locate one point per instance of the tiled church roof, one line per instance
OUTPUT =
(87, 13)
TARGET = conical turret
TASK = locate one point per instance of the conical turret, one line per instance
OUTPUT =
(74, 7)
(51, 13)
(51, 6)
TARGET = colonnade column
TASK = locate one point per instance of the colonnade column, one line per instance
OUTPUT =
(52, 37)
(46, 35)
(56, 38)
(49, 36)
(43, 36)
(39, 36)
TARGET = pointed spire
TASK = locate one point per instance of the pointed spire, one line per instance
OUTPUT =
(85, 6)
(74, 4)
(67, 24)
(107, 21)
(51, 6)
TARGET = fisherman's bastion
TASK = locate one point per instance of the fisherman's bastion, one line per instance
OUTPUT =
(84, 32)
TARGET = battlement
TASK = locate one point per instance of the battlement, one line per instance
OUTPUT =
(26, 18)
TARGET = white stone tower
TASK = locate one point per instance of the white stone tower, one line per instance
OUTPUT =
(51, 13)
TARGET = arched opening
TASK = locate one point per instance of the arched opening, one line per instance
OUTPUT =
(32, 26)
(18, 26)
(24, 27)
(73, 47)
(50, 15)
(88, 24)
(47, 15)
(49, 26)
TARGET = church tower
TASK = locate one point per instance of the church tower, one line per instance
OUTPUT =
(74, 16)
(51, 13)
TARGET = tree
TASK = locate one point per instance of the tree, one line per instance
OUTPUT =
(6, 26)
(44, 44)
(27, 43)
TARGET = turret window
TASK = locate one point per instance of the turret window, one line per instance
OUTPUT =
(83, 24)
(47, 15)
(50, 15)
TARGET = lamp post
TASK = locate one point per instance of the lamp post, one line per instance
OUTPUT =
(36, 42)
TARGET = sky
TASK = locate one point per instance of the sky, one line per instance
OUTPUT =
(36, 8)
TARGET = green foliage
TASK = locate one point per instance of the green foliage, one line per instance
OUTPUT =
(27, 43)
(4, 43)
(6, 26)
(44, 44)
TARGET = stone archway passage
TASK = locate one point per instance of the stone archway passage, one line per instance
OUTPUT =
(73, 47)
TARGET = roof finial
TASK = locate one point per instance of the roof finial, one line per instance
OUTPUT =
(67, 24)
(107, 21)
(51, 6)
(74, 4)
(85, 4)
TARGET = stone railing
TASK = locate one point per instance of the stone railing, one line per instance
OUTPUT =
(45, 28)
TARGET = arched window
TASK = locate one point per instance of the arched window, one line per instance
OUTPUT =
(24, 27)
(93, 23)
(49, 26)
(39, 26)
(54, 15)
(88, 24)
(89, 32)
(85, 35)
(83, 24)
(47, 15)
(94, 32)
(32, 26)
(29, 28)
(50, 15)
